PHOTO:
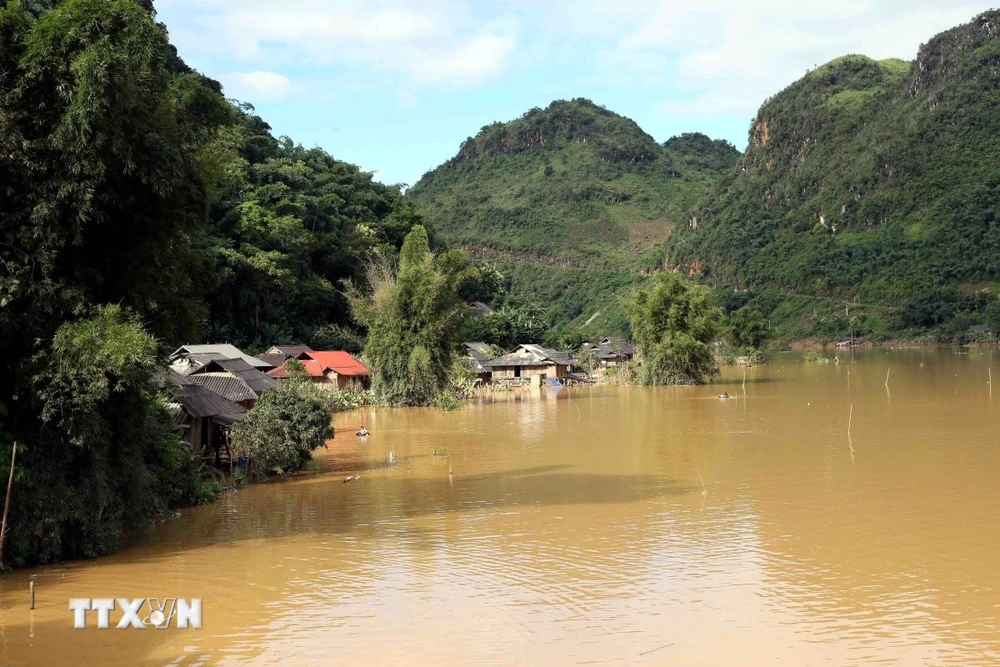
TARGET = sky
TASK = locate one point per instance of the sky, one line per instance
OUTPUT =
(395, 86)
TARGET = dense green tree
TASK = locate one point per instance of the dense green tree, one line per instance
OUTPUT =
(288, 422)
(106, 458)
(106, 169)
(290, 223)
(412, 314)
(674, 324)
(746, 328)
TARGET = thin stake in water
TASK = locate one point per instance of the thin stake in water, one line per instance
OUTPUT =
(704, 489)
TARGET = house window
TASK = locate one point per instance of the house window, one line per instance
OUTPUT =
(517, 371)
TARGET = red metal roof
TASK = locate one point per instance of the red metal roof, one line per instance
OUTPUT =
(314, 368)
(340, 362)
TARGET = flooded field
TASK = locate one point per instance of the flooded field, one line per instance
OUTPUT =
(629, 525)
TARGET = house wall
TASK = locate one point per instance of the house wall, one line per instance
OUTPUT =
(346, 382)
(550, 371)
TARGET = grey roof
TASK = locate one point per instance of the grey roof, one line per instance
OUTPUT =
(619, 345)
(478, 351)
(226, 385)
(288, 350)
(256, 380)
(226, 351)
(273, 359)
(611, 349)
(531, 355)
(199, 402)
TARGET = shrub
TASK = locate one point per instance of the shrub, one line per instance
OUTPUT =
(280, 432)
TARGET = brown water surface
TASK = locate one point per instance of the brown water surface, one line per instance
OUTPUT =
(629, 525)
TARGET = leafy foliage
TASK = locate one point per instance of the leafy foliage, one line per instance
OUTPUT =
(674, 324)
(290, 223)
(412, 315)
(509, 326)
(283, 428)
(746, 328)
(105, 170)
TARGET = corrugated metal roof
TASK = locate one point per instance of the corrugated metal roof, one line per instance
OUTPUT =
(226, 351)
(339, 361)
(254, 378)
(225, 384)
(199, 402)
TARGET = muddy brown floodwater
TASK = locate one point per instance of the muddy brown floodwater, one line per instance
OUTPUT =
(629, 525)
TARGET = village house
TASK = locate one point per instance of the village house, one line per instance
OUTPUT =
(234, 379)
(531, 364)
(611, 352)
(330, 370)
(205, 417)
(477, 355)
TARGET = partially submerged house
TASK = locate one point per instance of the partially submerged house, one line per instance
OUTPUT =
(330, 369)
(477, 355)
(531, 364)
(205, 416)
(611, 352)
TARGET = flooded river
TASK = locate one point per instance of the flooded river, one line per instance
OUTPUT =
(629, 525)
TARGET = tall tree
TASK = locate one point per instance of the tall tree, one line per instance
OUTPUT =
(674, 324)
(412, 315)
(106, 165)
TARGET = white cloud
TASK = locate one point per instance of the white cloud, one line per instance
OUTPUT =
(423, 42)
(727, 56)
(257, 86)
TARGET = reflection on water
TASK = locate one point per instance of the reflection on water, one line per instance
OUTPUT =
(575, 528)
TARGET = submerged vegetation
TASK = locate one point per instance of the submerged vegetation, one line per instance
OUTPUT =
(674, 324)
(281, 431)
(412, 313)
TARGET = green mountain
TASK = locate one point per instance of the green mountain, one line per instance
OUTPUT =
(876, 183)
(573, 200)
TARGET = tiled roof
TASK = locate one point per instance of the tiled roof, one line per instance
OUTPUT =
(254, 378)
(289, 350)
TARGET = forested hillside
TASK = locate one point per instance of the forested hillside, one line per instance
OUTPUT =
(575, 200)
(869, 182)
(141, 210)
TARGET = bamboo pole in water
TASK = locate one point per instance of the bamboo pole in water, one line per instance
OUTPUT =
(6, 505)
(888, 370)
(850, 418)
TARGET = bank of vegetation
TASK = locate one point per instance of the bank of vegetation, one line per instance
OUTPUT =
(142, 210)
